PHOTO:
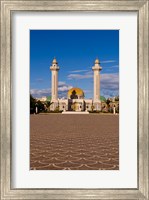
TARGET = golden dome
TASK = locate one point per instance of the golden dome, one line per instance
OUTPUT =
(54, 61)
(97, 61)
(76, 91)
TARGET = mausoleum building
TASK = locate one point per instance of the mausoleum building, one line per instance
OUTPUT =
(75, 100)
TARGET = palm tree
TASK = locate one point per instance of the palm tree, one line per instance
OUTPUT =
(48, 104)
(108, 104)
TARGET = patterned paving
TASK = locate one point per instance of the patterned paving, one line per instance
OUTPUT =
(74, 142)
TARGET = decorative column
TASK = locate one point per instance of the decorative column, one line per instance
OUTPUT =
(96, 69)
(54, 82)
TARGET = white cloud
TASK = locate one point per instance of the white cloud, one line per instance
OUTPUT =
(111, 67)
(87, 91)
(110, 78)
(40, 92)
(78, 71)
(63, 86)
(86, 75)
(110, 84)
(89, 72)
(115, 66)
(61, 83)
(108, 61)
(62, 89)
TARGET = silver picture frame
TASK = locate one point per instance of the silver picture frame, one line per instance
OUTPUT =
(139, 6)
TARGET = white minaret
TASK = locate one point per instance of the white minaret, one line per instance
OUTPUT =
(97, 68)
(54, 83)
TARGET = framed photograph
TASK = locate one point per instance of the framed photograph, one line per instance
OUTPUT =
(74, 99)
(82, 100)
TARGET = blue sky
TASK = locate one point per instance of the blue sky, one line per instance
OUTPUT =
(75, 51)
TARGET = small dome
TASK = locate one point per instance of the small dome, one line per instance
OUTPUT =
(102, 98)
(54, 61)
(97, 61)
(75, 93)
(48, 98)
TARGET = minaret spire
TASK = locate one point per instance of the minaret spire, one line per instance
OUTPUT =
(54, 82)
(96, 69)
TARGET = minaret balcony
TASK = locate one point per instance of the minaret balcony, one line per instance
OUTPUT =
(54, 68)
(96, 68)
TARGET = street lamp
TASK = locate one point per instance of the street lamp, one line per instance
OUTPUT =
(36, 108)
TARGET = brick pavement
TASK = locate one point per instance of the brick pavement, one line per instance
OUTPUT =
(74, 142)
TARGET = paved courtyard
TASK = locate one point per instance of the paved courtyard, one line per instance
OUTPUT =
(74, 142)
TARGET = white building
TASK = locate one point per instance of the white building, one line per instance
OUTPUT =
(75, 98)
